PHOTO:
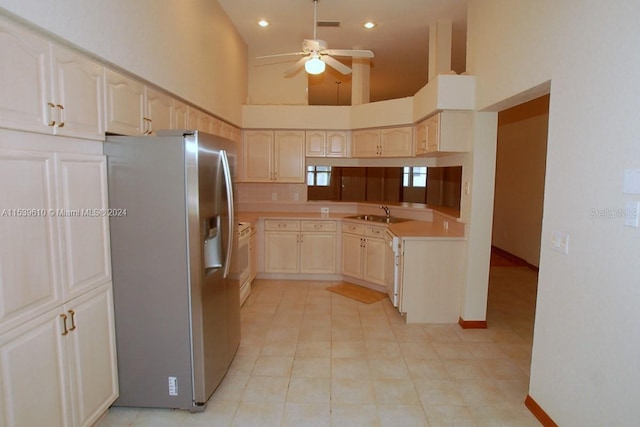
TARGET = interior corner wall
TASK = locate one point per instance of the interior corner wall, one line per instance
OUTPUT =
(584, 368)
(519, 184)
(188, 47)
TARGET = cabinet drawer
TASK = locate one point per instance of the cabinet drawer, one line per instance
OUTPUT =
(281, 224)
(374, 231)
(318, 225)
(351, 227)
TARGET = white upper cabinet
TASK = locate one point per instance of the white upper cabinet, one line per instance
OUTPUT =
(159, 111)
(24, 82)
(320, 143)
(366, 143)
(136, 109)
(180, 115)
(445, 132)
(397, 141)
(125, 105)
(387, 142)
(270, 156)
(257, 156)
(78, 95)
(289, 156)
(47, 88)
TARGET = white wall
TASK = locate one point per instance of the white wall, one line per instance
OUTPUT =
(188, 47)
(520, 169)
(586, 348)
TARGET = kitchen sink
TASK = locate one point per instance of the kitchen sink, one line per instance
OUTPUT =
(378, 218)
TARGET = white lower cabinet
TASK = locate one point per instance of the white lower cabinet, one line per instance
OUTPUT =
(363, 249)
(60, 368)
(306, 247)
(57, 341)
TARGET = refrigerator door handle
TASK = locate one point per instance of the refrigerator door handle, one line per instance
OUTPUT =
(227, 180)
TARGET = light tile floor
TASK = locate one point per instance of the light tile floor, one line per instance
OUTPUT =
(309, 357)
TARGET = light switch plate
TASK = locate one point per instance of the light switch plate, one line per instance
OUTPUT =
(631, 213)
(560, 242)
(631, 183)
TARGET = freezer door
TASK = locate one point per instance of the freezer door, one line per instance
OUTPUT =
(215, 317)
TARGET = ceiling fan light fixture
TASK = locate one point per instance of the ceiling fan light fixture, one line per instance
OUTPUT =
(315, 65)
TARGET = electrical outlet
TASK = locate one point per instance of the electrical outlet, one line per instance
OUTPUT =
(560, 242)
(296, 196)
(274, 196)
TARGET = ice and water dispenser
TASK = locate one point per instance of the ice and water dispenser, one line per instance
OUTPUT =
(213, 256)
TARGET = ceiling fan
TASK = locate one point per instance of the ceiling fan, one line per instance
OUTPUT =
(315, 54)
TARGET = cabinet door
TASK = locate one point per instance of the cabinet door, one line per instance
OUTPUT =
(92, 354)
(315, 141)
(397, 142)
(253, 256)
(366, 143)
(206, 123)
(318, 253)
(281, 254)
(374, 260)
(420, 138)
(34, 385)
(180, 116)
(257, 156)
(194, 118)
(352, 255)
(433, 133)
(125, 105)
(78, 85)
(84, 232)
(289, 156)
(24, 88)
(159, 110)
(336, 144)
(29, 253)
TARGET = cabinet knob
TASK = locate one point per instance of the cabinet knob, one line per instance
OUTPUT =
(51, 108)
(73, 320)
(61, 108)
(65, 331)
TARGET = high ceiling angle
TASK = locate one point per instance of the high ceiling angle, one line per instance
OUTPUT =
(392, 35)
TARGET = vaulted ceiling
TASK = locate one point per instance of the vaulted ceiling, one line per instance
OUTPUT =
(400, 40)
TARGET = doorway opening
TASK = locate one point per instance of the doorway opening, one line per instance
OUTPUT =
(517, 218)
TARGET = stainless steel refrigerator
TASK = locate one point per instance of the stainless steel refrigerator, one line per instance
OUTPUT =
(177, 309)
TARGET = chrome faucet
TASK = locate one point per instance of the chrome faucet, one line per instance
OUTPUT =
(387, 211)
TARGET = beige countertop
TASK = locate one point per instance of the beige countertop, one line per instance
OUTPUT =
(426, 229)
(406, 229)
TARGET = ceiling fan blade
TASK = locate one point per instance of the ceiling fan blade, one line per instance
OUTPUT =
(296, 67)
(355, 53)
(281, 54)
(337, 65)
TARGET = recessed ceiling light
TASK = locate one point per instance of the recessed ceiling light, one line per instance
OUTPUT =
(369, 25)
(263, 23)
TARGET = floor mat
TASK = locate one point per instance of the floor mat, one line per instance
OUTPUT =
(358, 293)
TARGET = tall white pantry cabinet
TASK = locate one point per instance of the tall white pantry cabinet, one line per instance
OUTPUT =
(57, 341)
(57, 347)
